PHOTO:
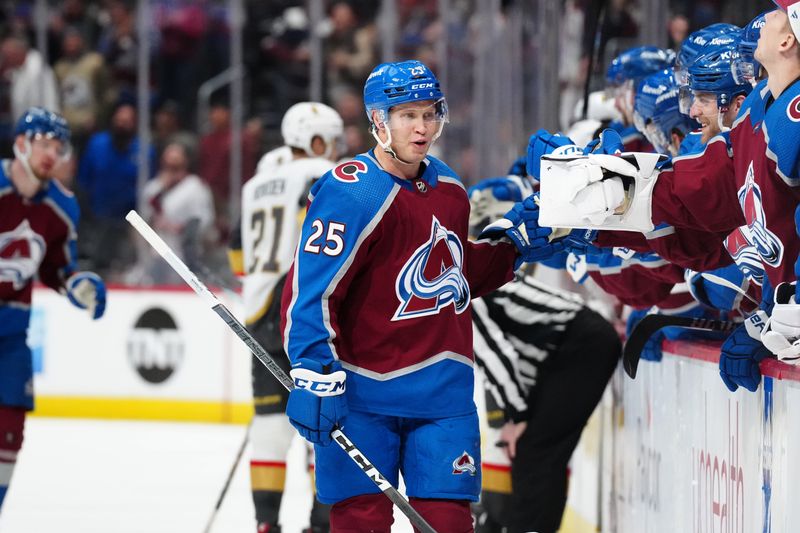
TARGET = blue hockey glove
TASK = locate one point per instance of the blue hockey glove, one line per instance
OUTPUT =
(609, 143)
(521, 225)
(723, 288)
(491, 198)
(543, 143)
(86, 290)
(317, 404)
(504, 188)
(652, 348)
(741, 353)
(517, 168)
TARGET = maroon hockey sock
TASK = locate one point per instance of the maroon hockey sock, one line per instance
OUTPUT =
(361, 514)
(445, 516)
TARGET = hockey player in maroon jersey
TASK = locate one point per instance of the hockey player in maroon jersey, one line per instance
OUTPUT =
(751, 182)
(377, 317)
(38, 221)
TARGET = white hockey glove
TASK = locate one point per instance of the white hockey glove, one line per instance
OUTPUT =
(598, 191)
(782, 332)
(86, 290)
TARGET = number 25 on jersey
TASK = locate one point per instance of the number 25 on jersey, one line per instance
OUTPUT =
(332, 244)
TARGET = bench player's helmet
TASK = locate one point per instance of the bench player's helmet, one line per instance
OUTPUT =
(745, 68)
(711, 73)
(306, 120)
(657, 113)
(693, 46)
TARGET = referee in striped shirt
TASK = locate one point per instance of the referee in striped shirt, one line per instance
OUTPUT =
(547, 359)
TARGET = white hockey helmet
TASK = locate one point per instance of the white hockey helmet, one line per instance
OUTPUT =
(306, 120)
(601, 107)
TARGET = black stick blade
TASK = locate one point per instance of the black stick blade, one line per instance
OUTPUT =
(652, 323)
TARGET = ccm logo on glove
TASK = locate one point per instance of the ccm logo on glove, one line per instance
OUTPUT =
(319, 384)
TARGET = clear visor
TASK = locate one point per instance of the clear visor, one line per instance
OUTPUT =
(743, 71)
(49, 143)
(640, 122)
(623, 95)
(433, 114)
(681, 76)
(658, 139)
(685, 99)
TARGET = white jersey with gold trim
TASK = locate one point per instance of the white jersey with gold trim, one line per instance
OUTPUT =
(273, 207)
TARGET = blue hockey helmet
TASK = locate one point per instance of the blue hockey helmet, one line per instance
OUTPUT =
(693, 46)
(636, 63)
(711, 73)
(40, 121)
(745, 68)
(657, 113)
(392, 84)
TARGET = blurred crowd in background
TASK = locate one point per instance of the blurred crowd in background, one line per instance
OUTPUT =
(507, 67)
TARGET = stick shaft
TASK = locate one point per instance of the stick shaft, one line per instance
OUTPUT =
(341, 439)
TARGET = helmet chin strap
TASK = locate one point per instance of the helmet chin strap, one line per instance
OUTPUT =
(387, 146)
(31, 182)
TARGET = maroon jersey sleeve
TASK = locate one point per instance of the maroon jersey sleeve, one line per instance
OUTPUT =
(489, 265)
(699, 192)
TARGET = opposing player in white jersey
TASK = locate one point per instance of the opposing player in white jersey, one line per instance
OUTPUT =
(273, 207)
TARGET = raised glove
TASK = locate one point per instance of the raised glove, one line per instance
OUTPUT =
(521, 226)
(517, 168)
(782, 332)
(317, 404)
(741, 352)
(492, 197)
(86, 290)
(543, 143)
(609, 142)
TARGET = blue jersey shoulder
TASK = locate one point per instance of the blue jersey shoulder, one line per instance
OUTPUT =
(782, 129)
(64, 199)
(691, 144)
(753, 104)
(441, 169)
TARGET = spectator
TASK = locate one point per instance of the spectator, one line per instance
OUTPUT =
(178, 205)
(107, 178)
(182, 26)
(214, 161)
(118, 46)
(31, 79)
(678, 30)
(167, 129)
(351, 52)
(84, 85)
(75, 14)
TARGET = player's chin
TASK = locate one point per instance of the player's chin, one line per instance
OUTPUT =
(420, 148)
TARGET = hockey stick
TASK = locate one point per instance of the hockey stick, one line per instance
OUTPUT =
(232, 471)
(341, 439)
(652, 323)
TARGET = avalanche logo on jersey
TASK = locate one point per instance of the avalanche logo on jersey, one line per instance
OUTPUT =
(432, 278)
(769, 247)
(21, 253)
(348, 172)
(464, 464)
(745, 255)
